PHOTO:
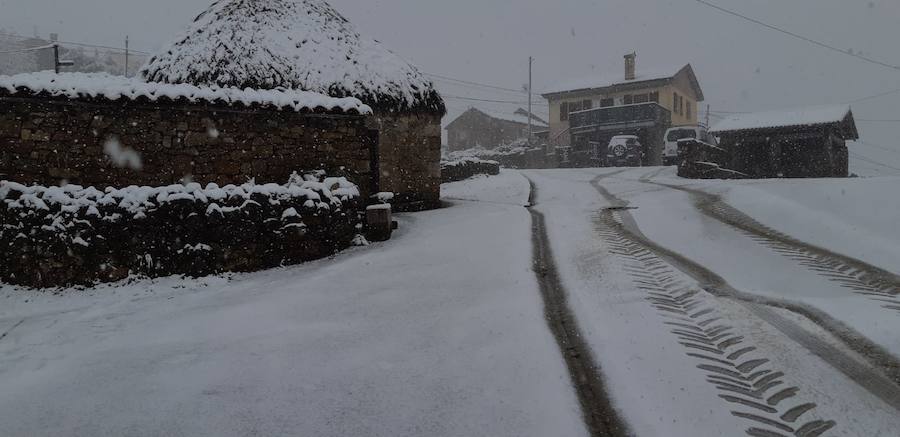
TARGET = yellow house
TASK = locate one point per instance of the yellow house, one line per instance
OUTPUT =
(675, 89)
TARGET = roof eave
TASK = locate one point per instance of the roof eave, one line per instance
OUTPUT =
(611, 88)
(695, 83)
(851, 127)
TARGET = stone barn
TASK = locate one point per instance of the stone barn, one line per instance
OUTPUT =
(489, 130)
(791, 143)
(308, 45)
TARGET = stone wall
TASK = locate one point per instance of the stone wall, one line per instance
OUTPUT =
(462, 169)
(70, 235)
(410, 159)
(46, 140)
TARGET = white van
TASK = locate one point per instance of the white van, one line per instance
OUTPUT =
(670, 152)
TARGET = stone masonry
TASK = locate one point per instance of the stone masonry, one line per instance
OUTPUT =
(410, 158)
(46, 141)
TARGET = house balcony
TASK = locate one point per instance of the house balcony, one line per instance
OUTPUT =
(641, 115)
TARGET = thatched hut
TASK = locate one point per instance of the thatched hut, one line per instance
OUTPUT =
(308, 45)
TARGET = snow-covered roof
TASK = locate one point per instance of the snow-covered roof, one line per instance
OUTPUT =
(611, 79)
(297, 44)
(808, 116)
(105, 86)
(516, 117)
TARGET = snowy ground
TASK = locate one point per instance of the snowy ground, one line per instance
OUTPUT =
(652, 376)
(855, 217)
(437, 332)
(441, 331)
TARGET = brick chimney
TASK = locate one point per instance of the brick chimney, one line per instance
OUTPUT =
(630, 66)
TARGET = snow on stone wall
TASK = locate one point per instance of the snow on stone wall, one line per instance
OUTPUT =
(67, 235)
(464, 168)
(105, 86)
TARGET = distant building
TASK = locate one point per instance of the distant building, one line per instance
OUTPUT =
(791, 143)
(489, 130)
(586, 113)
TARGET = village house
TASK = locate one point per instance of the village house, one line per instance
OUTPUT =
(487, 129)
(310, 46)
(586, 113)
(792, 143)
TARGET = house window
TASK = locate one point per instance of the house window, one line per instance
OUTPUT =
(564, 111)
(689, 110)
(587, 104)
(629, 99)
(641, 98)
(606, 103)
(654, 96)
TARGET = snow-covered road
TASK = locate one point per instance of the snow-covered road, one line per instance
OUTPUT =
(681, 355)
(438, 332)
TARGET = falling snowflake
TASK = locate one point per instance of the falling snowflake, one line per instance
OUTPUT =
(121, 156)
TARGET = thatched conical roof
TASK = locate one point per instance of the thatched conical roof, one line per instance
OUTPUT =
(297, 44)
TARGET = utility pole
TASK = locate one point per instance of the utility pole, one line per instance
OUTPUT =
(126, 56)
(56, 58)
(707, 116)
(56, 62)
(530, 133)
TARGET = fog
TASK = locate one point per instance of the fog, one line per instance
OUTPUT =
(741, 66)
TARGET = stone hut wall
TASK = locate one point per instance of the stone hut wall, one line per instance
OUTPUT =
(409, 158)
(48, 140)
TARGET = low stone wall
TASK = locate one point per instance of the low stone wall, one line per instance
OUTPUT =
(528, 159)
(462, 169)
(70, 235)
(46, 140)
(409, 158)
(516, 157)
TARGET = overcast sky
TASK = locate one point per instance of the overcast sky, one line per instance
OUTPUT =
(741, 66)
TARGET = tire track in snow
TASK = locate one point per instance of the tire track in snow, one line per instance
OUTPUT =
(884, 387)
(2, 336)
(755, 391)
(600, 417)
(860, 277)
(874, 354)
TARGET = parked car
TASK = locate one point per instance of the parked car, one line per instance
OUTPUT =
(624, 151)
(675, 134)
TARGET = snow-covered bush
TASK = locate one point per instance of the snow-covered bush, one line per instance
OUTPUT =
(56, 236)
(464, 168)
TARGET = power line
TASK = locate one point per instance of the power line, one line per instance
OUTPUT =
(878, 146)
(29, 49)
(801, 37)
(23, 38)
(871, 161)
(875, 96)
(484, 85)
(447, 96)
(478, 87)
(877, 121)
